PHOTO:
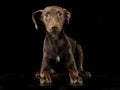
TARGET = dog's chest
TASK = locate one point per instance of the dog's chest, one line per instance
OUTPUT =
(57, 50)
(57, 54)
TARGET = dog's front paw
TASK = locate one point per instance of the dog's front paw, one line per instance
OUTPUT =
(86, 75)
(45, 80)
(76, 80)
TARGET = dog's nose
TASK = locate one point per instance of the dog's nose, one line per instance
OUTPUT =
(54, 27)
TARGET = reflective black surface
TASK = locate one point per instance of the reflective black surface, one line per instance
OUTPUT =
(28, 81)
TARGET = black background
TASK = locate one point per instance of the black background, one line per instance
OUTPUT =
(90, 25)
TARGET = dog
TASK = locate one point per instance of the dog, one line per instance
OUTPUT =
(59, 49)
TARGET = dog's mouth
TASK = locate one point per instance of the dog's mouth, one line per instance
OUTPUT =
(54, 30)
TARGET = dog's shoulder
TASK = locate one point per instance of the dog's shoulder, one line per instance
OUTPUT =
(72, 41)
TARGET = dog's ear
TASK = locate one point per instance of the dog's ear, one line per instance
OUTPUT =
(33, 17)
(67, 15)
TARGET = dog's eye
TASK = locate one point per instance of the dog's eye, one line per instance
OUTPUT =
(59, 14)
(47, 14)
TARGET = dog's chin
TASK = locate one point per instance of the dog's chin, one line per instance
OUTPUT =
(54, 35)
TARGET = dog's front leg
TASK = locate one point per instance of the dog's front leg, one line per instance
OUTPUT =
(80, 63)
(45, 71)
(73, 72)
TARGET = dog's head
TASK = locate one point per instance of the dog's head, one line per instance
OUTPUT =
(53, 18)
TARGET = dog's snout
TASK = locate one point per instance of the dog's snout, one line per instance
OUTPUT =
(54, 27)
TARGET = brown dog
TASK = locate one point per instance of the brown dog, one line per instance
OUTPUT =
(58, 48)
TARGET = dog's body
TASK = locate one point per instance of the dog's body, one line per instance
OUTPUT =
(58, 48)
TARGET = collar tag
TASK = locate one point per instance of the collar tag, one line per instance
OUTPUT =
(58, 58)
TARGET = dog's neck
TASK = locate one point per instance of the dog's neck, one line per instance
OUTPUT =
(55, 36)
(56, 42)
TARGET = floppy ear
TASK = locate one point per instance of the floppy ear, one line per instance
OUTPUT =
(67, 15)
(33, 17)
